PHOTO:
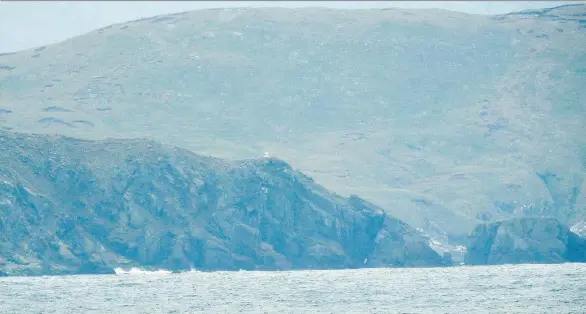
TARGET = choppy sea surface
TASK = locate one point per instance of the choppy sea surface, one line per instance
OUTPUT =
(483, 289)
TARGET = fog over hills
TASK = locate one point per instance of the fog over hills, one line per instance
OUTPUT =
(444, 119)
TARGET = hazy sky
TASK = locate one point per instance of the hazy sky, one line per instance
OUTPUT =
(29, 24)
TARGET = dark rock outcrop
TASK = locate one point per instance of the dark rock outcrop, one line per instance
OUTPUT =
(70, 206)
(526, 240)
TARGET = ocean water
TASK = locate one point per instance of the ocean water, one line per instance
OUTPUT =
(484, 289)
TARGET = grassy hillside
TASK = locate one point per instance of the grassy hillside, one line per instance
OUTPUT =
(445, 119)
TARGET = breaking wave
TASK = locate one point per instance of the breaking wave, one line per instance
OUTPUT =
(138, 271)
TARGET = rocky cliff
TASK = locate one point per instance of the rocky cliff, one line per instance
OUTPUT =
(528, 240)
(413, 110)
(72, 206)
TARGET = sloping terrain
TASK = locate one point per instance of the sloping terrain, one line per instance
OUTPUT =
(71, 206)
(445, 119)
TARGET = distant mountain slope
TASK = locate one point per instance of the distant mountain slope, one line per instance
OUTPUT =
(70, 206)
(444, 118)
(526, 240)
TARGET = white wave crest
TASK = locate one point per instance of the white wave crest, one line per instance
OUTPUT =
(138, 271)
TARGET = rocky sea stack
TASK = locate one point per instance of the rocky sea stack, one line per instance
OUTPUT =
(526, 240)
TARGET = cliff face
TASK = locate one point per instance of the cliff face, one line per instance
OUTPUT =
(528, 240)
(414, 110)
(70, 206)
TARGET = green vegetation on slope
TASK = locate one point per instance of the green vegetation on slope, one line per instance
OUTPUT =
(445, 119)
